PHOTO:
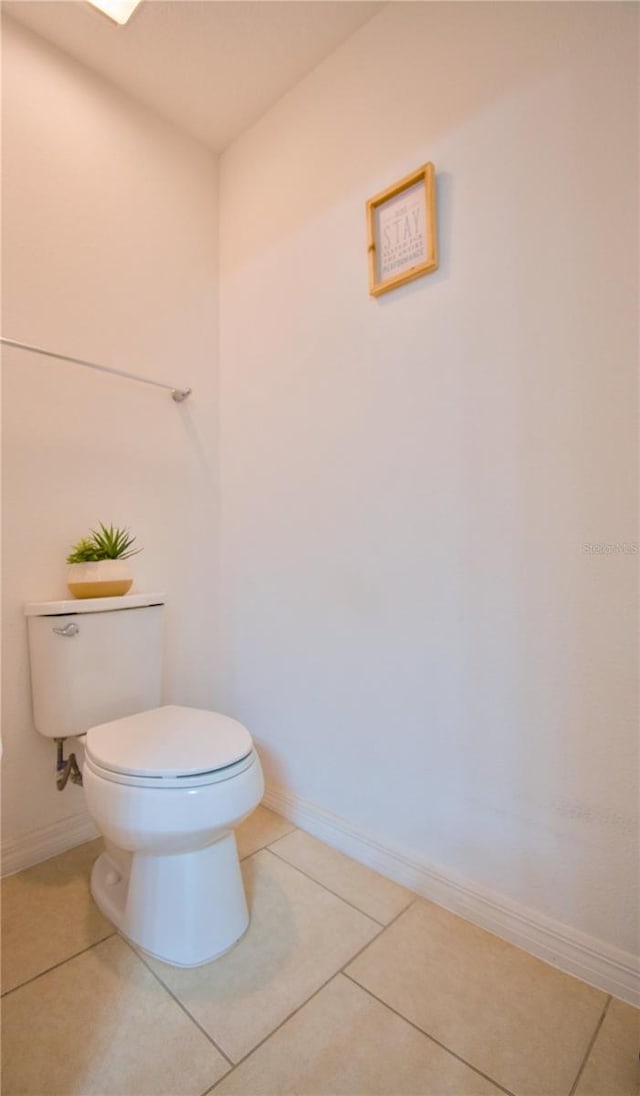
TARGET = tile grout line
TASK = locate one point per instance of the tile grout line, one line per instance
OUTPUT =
(384, 1004)
(364, 913)
(276, 1029)
(310, 998)
(590, 1046)
(426, 1034)
(62, 962)
(184, 1009)
(267, 844)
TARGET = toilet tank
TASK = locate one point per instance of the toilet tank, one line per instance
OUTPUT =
(94, 660)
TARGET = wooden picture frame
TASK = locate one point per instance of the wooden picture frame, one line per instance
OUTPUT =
(402, 231)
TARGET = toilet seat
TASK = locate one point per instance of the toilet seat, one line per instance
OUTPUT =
(160, 783)
(172, 746)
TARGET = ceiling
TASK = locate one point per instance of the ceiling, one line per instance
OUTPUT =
(210, 66)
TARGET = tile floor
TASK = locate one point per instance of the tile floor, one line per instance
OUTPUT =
(344, 984)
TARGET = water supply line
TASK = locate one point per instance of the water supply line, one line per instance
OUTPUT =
(66, 770)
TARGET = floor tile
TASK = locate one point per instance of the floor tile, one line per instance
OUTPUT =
(48, 914)
(344, 1042)
(372, 893)
(518, 1020)
(260, 829)
(299, 936)
(612, 1067)
(101, 1024)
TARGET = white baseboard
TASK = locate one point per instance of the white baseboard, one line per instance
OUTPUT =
(31, 848)
(594, 961)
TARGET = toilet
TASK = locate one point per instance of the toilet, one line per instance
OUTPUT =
(165, 784)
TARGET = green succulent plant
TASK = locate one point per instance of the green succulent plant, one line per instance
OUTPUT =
(83, 552)
(105, 543)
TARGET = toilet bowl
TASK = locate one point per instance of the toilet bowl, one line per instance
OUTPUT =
(166, 788)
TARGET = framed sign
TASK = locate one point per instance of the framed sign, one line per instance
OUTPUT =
(402, 231)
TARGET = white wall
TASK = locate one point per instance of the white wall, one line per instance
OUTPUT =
(413, 630)
(109, 253)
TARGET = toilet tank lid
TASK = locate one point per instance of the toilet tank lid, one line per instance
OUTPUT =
(92, 604)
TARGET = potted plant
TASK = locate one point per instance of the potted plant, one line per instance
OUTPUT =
(98, 564)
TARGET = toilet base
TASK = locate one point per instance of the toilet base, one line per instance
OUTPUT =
(185, 909)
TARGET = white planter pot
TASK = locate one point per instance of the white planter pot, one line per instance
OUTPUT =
(106, 578)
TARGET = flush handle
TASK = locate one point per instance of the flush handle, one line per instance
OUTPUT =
(69, 629)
